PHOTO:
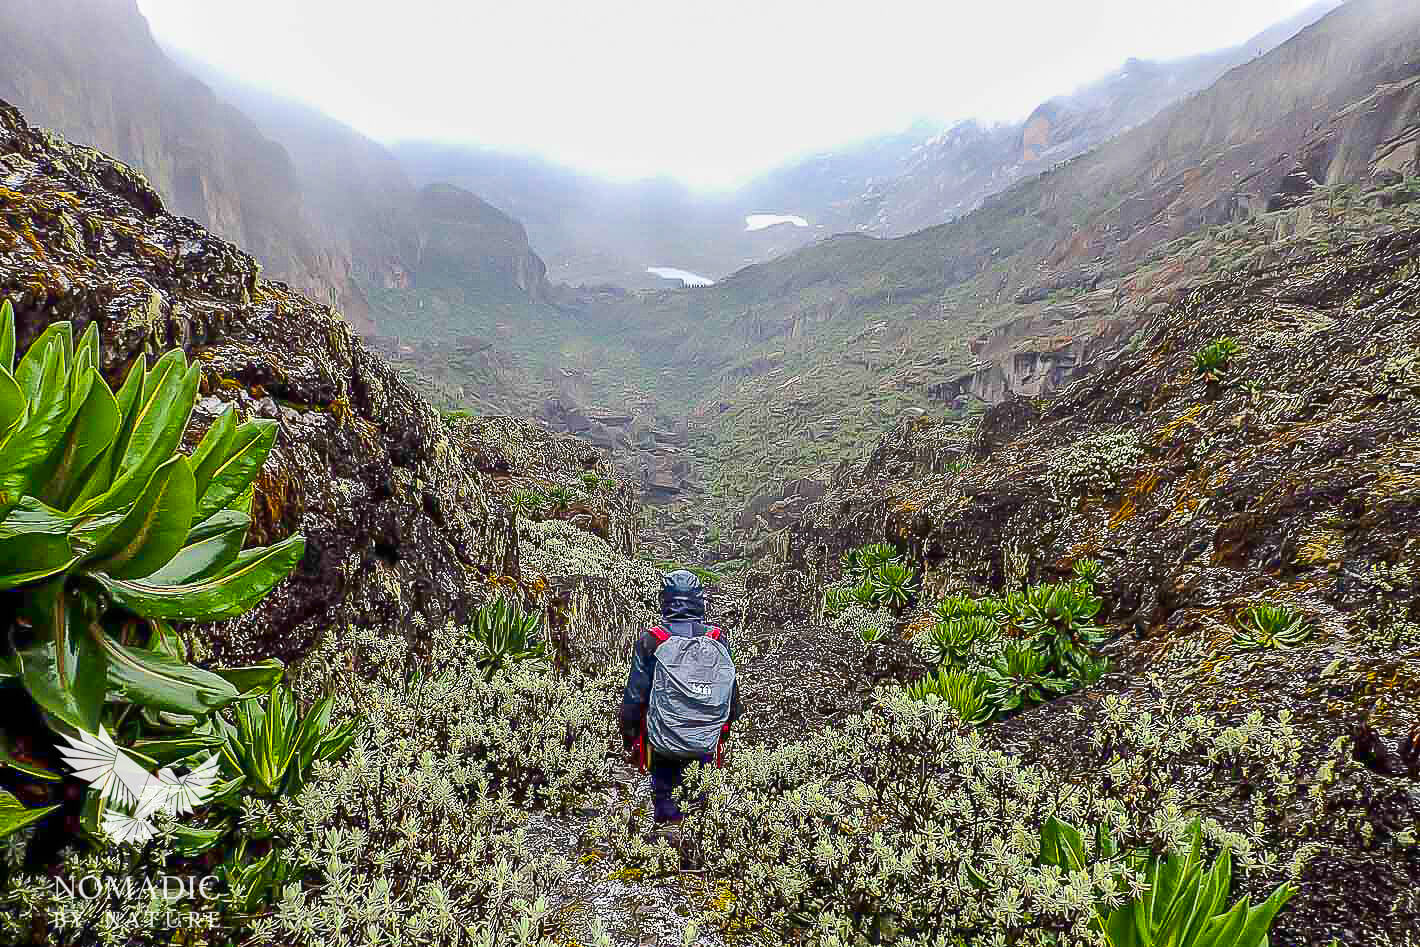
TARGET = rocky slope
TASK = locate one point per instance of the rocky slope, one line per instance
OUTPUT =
(404, 513)
(951, 173)
(789, 366)
(1291, 480)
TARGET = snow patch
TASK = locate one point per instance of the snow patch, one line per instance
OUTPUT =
(761, 221)
(686, 277)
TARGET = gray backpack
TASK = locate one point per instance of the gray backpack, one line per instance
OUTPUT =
(691, 691)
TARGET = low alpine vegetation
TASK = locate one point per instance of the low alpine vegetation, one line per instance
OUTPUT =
(942, 840)
(1213, 360)
(965, 692)
(1025, 647)
(1089, 571)
(272, 746)
(1263, 626)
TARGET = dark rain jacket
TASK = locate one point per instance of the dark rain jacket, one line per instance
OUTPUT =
(681, 621)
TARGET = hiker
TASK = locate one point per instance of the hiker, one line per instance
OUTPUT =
(681, 695)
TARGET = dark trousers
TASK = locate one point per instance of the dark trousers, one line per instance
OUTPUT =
(668, 772)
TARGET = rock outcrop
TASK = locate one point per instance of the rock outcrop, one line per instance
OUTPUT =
(400, 508)
(467, 244)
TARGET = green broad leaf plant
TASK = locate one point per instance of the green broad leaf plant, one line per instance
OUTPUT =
(108, 534)
(1263, 625)
(952, 641)
(505, 635)
(273, 746)
(896, 585)
(1213, 361)
(1182, 904)
(1021, 678)
(963, 691)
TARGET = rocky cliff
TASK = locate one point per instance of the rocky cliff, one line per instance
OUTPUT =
(404, 514)
(465, 242)
(319, 205)
(123, 96)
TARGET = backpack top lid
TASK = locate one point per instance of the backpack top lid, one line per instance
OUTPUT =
(711, 631)
(682, 595)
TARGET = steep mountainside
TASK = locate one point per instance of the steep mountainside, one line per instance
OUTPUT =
(91, 71)
(786, 366)
(356, 195)
(1290, 477)
(319, 205)
(464, 241)
(592, 231)
(950, 174)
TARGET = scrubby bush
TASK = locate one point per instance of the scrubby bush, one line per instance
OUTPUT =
(1095, 463)
(866, 624)
(419, 834)
(902, 826)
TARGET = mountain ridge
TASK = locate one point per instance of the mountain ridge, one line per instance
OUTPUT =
(323, 208)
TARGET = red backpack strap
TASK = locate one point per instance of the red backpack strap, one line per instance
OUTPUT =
(660, 634)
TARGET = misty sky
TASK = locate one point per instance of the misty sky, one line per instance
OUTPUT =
(709, 92)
